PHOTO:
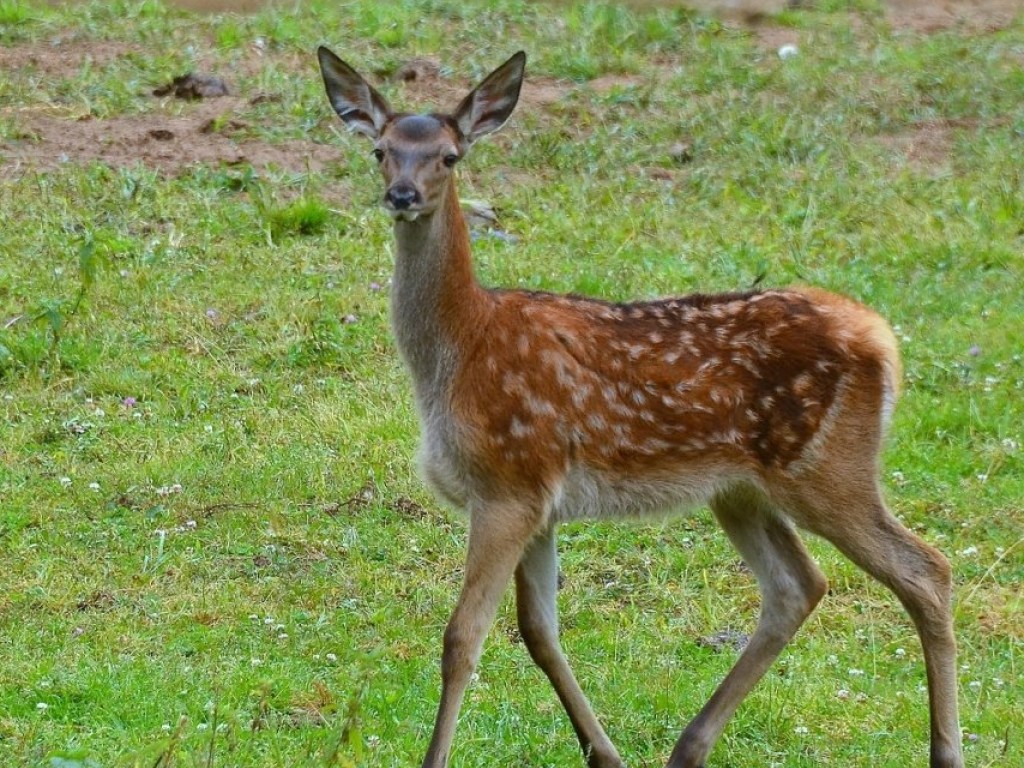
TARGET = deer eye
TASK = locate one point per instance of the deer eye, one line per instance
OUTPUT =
(378, 153)
(450, 160)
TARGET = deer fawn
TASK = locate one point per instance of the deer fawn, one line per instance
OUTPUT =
(770, 406)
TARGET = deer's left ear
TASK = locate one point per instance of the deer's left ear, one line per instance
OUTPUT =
(361, 108)
(489, 105)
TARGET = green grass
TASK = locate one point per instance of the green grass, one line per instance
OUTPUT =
(213, 545)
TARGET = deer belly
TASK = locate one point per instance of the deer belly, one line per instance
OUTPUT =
(589, 493)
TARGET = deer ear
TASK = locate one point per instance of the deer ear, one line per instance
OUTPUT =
(361, 108)
(489, 105)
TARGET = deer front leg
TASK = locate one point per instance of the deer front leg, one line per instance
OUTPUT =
(536, 588)
(498, 534)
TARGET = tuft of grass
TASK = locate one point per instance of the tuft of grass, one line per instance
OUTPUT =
(304, 216)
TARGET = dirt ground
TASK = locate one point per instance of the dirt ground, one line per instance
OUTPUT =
(173, 137)
(916, 15)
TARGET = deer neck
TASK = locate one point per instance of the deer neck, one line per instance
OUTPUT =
(436, 303)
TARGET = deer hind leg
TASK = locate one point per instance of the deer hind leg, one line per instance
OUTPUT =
(855, 519)
(791, 586)
(498, 536)
(536, 586)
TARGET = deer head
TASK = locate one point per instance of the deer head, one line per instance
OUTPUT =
(417, 153)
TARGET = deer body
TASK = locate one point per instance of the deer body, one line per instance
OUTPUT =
(536, 409)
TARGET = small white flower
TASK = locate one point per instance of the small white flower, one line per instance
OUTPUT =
(900, 653)
(855, 672)
(94, 486)
(332, 657)
(801, 730)
(254, 617)
(256, 662)
(283, 636)
(100, 412)
(165, 727)
(1010, 444)
(788, 51)
(969, 552)
(842, 693)
(974, 685)
(997, 682)
(42, 706)
(65, 482)
(208, 429)
(202, 726)
(982, 477)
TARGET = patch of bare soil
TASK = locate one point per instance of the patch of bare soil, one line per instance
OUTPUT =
(928, 146)
(60, 55)
(919, 16)
(916, 15)
(170, 143)
(936, 15)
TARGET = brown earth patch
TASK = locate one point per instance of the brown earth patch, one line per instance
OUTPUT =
(772, 38)
(923, 16)
(928, 145)
(924, 146)
(61, 55)
(170, 143)
(928, 16)
(919, 16)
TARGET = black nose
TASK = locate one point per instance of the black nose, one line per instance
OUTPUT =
(402, 196)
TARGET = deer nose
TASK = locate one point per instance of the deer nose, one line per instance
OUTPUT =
(402, 196)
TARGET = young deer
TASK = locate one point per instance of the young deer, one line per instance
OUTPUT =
(770, 406)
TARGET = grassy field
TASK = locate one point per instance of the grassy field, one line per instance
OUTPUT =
(214, 550)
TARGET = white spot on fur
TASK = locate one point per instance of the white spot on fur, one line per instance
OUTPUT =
(517, 428)
(538, 406)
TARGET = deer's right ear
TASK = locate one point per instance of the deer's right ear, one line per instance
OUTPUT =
(361, 108)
